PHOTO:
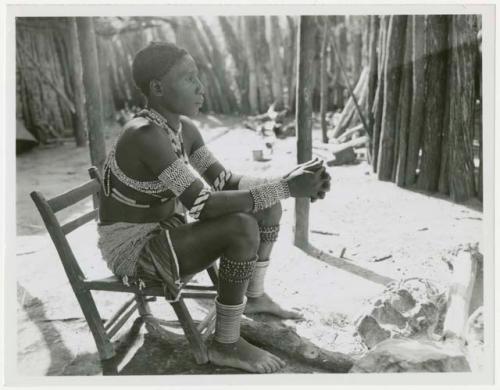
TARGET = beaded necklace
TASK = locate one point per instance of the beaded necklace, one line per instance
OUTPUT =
(174, 135)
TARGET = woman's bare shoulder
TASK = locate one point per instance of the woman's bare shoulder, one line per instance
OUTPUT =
(139, 131)
(191, 133)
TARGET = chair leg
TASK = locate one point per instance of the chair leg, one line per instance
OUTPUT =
(213, 273)
(104, 346)
(192, 334)
(142, 305)
(109, 367)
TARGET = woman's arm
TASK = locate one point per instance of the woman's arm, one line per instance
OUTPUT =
(157, 154)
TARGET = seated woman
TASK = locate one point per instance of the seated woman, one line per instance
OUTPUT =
(149, 185)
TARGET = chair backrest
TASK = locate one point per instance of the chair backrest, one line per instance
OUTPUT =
(49, 208)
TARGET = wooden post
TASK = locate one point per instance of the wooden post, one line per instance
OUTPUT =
(305, 61)
(419, 61)
(392, 79)
(324, 82)
(433, 119)
(93, 96)
(461, 127)
(250, 24)
(80, 116)
(275, 42)
(404, 108)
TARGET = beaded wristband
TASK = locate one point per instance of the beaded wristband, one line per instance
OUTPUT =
(266, 195)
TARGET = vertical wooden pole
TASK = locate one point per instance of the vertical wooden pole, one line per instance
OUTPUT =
(305, 61)
(80, 116)
(461, 126)
(93, 95)
(324, 82)
(419, 61)
(392, 79)
(435, 93)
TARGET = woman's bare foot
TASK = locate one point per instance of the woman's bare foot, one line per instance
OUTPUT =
(244, 356)
(264, 304)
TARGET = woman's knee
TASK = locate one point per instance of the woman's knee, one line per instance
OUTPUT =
(243, 228)
(271, 215)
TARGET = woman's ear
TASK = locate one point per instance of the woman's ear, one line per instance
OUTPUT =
(155, 87)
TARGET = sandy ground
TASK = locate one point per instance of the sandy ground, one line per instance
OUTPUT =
(366, 219)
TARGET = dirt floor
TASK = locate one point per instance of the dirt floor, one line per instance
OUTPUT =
(393, 232)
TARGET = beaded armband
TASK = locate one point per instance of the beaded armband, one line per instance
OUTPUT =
(177, 177)
(201, 159)
(199, 203)
(221, 180)
(266, 195)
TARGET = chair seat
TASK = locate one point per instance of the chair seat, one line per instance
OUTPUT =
(113, 283)
(153, 288)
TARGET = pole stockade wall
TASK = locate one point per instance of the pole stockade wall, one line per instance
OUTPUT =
(246, 64)
(421, 102)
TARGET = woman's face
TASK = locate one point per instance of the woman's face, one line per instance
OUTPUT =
(182, 92)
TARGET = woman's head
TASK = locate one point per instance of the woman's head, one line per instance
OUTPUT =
(167, 75)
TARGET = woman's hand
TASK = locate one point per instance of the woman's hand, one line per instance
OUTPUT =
(307, 180)
(311, 165)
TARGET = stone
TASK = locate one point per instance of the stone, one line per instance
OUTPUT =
(425, 320)
(402, 301)
(474, 337)
(407, 355)
(387, 314)
(371, 332)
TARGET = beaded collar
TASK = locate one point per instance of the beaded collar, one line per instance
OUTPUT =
(174, 135)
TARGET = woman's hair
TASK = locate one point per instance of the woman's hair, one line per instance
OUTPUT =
(153, 62)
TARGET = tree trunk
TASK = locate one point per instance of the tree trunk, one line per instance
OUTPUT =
(276, 61)
(305, 61)
(419, 61)
(378, 101)
(437, 33)
(392, 80)
(463, 59)
(324, 82)
(405, 107)
(93, 96)
(80, 116)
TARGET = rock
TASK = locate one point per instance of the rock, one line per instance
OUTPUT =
(474, 337)
(406, 355)
(402, 301)
(387, 314)
(425, 320)
(371, 332)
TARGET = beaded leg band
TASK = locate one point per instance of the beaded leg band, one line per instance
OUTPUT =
(269, 233)
(236, 271)
(256, 285)
(227, 321)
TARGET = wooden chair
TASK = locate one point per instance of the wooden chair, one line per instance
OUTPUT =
(104, 331)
